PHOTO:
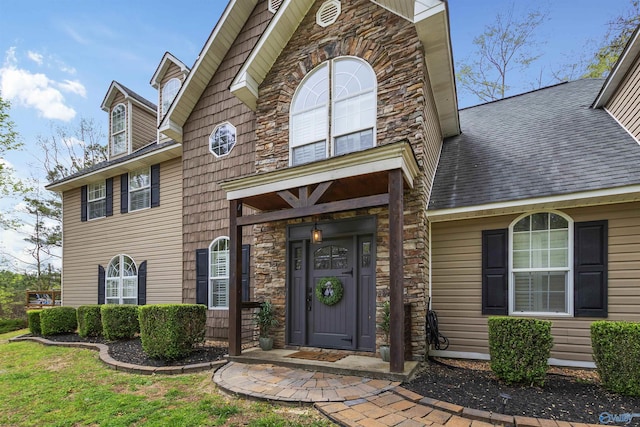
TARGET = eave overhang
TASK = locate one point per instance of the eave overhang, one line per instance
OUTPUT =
(432, 25)
(215, 49)
(607, 196)
(260, 190)
(620, 70)
(151, 158)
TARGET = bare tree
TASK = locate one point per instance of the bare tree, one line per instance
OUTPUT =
(505, 45)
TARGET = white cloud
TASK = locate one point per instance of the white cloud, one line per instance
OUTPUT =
(73, 87)
(36, 90)
(35, 57)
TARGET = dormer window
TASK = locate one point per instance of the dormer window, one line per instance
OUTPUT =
(333, 111)
(169, 92)
(118, 130)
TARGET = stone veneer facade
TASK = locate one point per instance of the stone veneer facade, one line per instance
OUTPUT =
(406, 111)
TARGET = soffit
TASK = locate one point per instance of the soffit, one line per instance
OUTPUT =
(215, 49)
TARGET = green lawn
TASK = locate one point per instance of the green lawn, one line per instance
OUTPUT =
(57, 386)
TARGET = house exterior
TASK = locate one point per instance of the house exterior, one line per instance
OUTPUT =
(320, 141)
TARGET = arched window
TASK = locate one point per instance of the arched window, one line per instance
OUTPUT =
(333, 111)
(219, 273)
(541, 279)
(169, 92)
(118, 130)
(121, 281)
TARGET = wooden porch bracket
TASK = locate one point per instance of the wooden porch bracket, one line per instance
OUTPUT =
(396, 270)
(305, 199)
(235, 278)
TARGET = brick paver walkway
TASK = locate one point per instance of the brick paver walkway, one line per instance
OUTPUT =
(356, 401)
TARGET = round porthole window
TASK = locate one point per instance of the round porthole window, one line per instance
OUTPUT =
(222, 139)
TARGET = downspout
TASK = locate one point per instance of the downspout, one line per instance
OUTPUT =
(429, 263)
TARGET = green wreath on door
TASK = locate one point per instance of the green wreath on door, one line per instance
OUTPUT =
(329, 290)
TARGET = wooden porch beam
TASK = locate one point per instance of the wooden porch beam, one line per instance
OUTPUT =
(318, 192)
(304, 199)
(235, 278)
(396, 270)
(288, 197)
(342, 205)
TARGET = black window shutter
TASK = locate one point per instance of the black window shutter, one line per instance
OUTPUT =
(495, 272)
(142, 283)
(124, 193)
(109, 197)
(245, 272)
(155, 186)
(101, 284)
(83, 203)
(590, 269)
(202, 276)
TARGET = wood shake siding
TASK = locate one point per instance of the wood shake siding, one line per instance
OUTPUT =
(205, 208)
(153, 235)
(144, 127)
(457, 282)
(406, 111)
(624, 105)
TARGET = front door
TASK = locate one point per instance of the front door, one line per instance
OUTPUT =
(331, 326)
(349, 257)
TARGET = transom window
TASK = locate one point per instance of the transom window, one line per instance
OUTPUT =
(169, 92)
(118, 129)
(541, 279)
(222, 139)
(96, 200)
(333, 111)
(219, 273)
(121, 281)
(139, 189)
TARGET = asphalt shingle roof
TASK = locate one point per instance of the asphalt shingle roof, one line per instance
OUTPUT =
(542, 143)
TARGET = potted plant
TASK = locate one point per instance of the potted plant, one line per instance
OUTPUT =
(266, 320)
(385, 350)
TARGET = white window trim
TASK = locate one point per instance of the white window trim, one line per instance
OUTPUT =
(120, 277)
(163, 110)
(211, 277)
(123, 131)
(235, 135)
(147, 188)
(330, 106)
(90, 200)
(569, 270)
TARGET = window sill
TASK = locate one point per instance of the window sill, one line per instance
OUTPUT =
(219, 308)
(539, 314)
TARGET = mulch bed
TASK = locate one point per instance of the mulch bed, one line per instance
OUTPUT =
(130, 351)
(568, 394)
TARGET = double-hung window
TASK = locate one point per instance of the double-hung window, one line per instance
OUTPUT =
(541, 259)
(96, 200)
(118, 130)
(121, 281)
(333, 111)
(219, 273)
(139, 189)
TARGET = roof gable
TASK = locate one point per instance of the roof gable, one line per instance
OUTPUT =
(128, 94)
(165, 63)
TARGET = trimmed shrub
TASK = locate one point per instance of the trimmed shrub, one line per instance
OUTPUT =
(89, 321)
(33, 320)
(119, 322)
(58, 320)
(520, 349)
(9, 325)
(170, 331)
(616, 351)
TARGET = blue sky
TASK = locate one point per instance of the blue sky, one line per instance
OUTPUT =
(57, 58)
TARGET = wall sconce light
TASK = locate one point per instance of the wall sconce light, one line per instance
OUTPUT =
(316, 234)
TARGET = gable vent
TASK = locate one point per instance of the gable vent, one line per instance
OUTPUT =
(328, 13)
(274, 5)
